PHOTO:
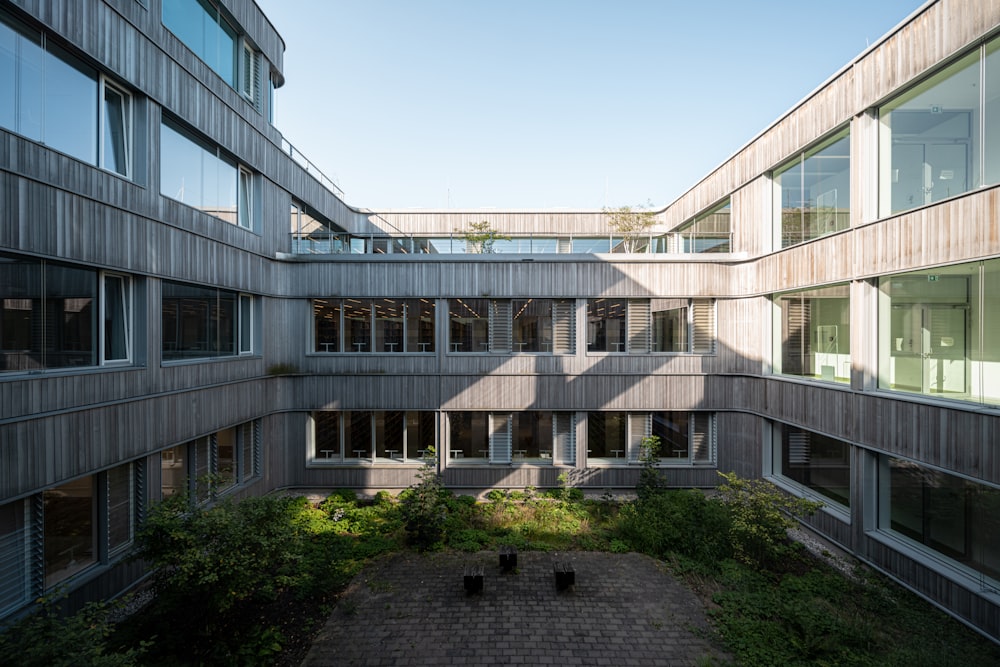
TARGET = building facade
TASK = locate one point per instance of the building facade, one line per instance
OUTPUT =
(185, 297)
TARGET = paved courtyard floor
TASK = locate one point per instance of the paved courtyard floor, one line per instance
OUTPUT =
(625, 609)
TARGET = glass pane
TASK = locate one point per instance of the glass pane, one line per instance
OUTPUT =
(326, 323)
(817, 462)
(532, 321)
(591, 245)
(117, 322)
(532, 436)
(469, 325)
(991, 133)
(358, 325)
(224, 323)
(419, 325)
(606, 319)
(30, 120)
(71, 320)
(173, 471)
(420, 438)
(815, 334)
(69, 529)
(928, 152)
(20, 314)
(246, 324)
(8, 81)
(246, 199)
(606, 435)
(187, 19)
(789, 182)
(225, 458)
(117, 131)
(120, 507)
(358, 435)
(389, 431)
(469, 436)
(70, 108)
(326, 435)
(196, 321)
(670, 325)
(673, 429)
(180, 167)
(389, 317)
(985, 347)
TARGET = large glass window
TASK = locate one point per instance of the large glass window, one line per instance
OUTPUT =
(199, 25)
(200, 175)
(956, 517)
(212, 464)
(532, 329)
(52, 97)
(671, 325)
(606, 325)
(469, 437)
(70, 529)
(50, 315)
(941, 137)
(201, 321)
(816, 462)
(814, 191)
(710, 231)
(469, 325)
(121, 507)
(936, 332)
(686, 438)
(379, 325)
(396, 435)
(813, 333)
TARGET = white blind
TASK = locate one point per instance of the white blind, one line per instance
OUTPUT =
(703, 326)
(564, 326)
(564, 437)
(640, 337)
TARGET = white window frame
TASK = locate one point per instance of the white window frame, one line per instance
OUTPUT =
(250, 73)
(128, 120)
(246, 306)
(128, 301)
(244, 201)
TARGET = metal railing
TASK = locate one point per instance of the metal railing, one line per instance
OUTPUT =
(311, 168)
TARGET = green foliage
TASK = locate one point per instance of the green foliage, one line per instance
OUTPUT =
(469, 539)
(632, 224)
(650, 478)
(480, 237)
(683, 522)
(424, 510)
(496, 495)
(47, 638)
(761, 515)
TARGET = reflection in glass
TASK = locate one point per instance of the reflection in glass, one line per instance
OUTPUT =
(606, 435)
(390, 314)
(197, 176)
(70, 107)
(117, 319)
(326, 320)
(956, 517)
(670, 325)
(532, 329)
(357, 325)
(469, 325)
(815, 461)
(121, 512)
(326, 435)
(117, 131)
(468, 436)
(673, 430)
(606, 325)
(14, 533)
(69, 529)
(70, 317)
(815, 191)
(197, 321)
(419, 325)
(814, 334)
(928, 151)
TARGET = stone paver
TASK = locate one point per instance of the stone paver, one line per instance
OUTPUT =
(412, 610)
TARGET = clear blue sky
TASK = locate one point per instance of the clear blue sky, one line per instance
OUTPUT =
(549, 103)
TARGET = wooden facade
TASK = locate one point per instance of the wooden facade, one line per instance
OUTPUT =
(61, 424)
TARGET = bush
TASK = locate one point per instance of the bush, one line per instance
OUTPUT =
(761, 515)
(683, 522)
(425, 511)
(47, 638)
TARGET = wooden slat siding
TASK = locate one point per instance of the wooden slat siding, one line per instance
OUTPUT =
(968, 602)
(752, 217)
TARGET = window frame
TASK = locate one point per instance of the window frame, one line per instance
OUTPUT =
(128, 125)
(128, 303)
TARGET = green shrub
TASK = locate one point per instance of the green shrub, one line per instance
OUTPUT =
(683, 522)
(424, 510)
(761, 515)
(469, 539)
(650, 477)
(47, 638)
(496, 495)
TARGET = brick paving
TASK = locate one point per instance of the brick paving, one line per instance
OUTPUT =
(413, 610)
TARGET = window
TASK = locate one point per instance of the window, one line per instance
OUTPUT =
(813, 191)
(120, 507)
(69, 529)
(469, 325)
(199, 174)
(813, 334)
(14, 555)
(199, 24)
(642, 326)
(373, 325)
(707, 232)
(686, 438)
(388, 436)
(116, 314)
(52, 98)
(955, 517)
(503, 326)
(116, 130)
(939, 138)
(49, 315)
(532, 325)
(212, 464)
(935, 332)
(469, 437)
(312, 234)
(203, 322)
(815, 462)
